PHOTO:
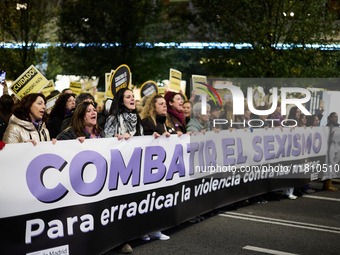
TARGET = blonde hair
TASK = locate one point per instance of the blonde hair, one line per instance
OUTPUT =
(149, 110)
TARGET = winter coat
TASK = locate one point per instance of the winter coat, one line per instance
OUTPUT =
(69, 134)
(177, 124)
(195, 126)
(20, 131)
(150, 128)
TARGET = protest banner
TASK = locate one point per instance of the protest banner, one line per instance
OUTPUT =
(30, 81)
(48, 88)
(71, 197)
(175, 79)
(121, 78)
(148, 88)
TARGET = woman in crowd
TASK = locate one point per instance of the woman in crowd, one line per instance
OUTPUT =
(227, 114)
(312, 121)
(154, 117)
(62, 108)
(215, 111)
(174, 103)
(302, 120)
(277, 115)
(6, 105)
(124, 120)
(155, 122)
(27, 123)
(243, 119)
(332, 120)
(294, 114)
(333, 148)
(187, 107)
(200, 122)
(83, 124)
(260, 121)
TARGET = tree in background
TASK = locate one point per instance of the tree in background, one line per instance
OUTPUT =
(265, 25)
(26, 23)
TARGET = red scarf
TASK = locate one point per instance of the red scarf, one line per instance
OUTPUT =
(179, 115)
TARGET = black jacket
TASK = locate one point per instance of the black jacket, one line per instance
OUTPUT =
(149, 126)
(69, 134)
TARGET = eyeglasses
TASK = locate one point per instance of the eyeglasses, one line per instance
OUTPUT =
(71, 100)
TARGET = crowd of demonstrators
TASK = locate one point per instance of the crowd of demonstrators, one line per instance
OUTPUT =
(61, 110)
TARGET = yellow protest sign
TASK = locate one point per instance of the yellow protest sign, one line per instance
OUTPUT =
(108, 93)
(175, 79)
(48, 88)
(99, 97)
(198, 81)
(30, 81)
(76, 87)
(89, 84)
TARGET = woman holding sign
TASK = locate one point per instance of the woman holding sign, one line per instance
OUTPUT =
(27, 123)
(124, 120)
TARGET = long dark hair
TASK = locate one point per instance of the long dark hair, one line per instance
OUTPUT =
(23, 108)
(329, 121)
(59, 106)
(310, 120)
(118, 107)
(77, 121)
(6, 105)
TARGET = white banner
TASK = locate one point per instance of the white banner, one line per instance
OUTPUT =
(64, 194)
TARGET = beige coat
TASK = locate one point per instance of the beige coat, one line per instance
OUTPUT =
(20, 131)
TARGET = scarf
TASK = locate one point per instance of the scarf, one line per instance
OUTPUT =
(121, 124)
(179, 115)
